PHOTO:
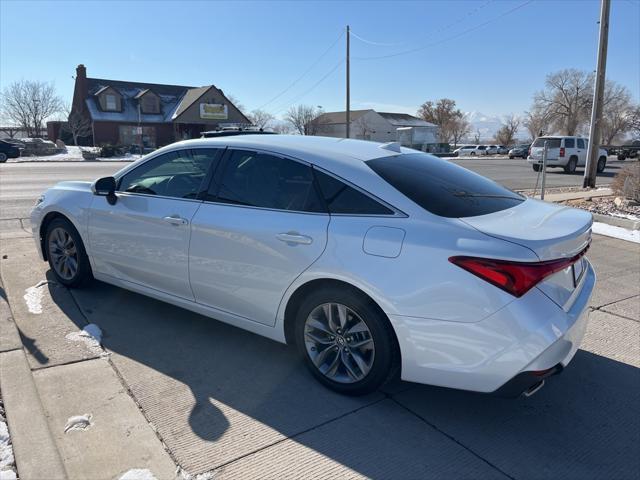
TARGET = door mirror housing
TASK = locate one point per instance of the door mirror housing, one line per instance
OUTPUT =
(105, 187)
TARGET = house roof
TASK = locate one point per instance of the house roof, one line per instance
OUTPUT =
(330, 118)
(191, 96)
(405, 120)
(170, 98)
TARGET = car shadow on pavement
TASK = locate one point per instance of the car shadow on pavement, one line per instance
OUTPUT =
(216, 393)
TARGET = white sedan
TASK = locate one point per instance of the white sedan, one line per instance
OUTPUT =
(370, 258)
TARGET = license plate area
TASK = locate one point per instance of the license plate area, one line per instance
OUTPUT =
(578, 271)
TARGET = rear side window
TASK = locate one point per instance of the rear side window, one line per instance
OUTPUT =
(551, 142)
(580, 143)
(340, 198)
(569, 143)
(444, 188)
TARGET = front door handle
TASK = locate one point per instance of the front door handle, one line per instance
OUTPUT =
(176, 220)
(294, 238)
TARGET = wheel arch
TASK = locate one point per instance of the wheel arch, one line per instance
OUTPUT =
(44, 224)
(296, 298)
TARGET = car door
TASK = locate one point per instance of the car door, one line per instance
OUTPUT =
(144, 237)
(261, 225)
(581, 151)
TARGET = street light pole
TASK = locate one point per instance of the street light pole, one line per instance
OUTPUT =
(348, 113)
(598, 99)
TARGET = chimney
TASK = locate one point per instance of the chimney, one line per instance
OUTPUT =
(80, 91)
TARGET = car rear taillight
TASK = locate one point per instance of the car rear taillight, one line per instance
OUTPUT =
(562, 151)
(516, 278)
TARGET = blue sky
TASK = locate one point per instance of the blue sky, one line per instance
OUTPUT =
(254, 50)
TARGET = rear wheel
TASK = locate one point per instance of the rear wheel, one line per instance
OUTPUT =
(602, 163)
(571, 166)
(510, 157)
(536, 167)
(346, 341)
(3, 157)
(66, 254)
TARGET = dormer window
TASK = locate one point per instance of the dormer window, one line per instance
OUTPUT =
(150, 104)
(111, 102)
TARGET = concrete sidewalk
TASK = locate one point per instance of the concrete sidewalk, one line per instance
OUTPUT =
(181, 390)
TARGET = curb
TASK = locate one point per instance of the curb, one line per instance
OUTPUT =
(617, 221)
(27, 422)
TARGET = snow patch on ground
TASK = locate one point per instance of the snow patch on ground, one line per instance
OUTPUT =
(625, 215)
(184, 475)
(78, 422)
(73, 154)
(138, 474)
(91, 336)
(7, 461)
(33, 297)
(616, 232)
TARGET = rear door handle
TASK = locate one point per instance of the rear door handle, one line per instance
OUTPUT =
(294, 238)
(176, 220)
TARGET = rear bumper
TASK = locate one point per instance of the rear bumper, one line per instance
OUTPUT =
(531, 334)
(551, 162)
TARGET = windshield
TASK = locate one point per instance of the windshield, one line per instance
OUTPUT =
(443, 188)
(551, 142)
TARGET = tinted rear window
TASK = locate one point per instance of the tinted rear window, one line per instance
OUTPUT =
(551, 142)
(444, 188)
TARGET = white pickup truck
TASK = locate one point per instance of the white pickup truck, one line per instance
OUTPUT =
(565, 152)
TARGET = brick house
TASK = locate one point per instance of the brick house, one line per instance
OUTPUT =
(134, 113)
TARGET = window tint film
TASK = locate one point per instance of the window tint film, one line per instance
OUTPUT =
(343, 199)
(551, 142)
(260, 180)
(444, 188)
(569, 143)
(580, 143)
(175, 174)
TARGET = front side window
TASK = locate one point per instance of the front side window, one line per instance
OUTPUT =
(443, 188)
(260, 180)
(111, 102)
(174, 174)
(580, 143)
(340, 198)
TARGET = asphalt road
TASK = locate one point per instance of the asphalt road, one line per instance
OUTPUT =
(22, 183)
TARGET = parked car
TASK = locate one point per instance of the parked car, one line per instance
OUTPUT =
(38, 146)
(370, 258)
(502, 150)
(464, 151)
(8, 150)
(520, 151)
(563, 151)
(491, 150)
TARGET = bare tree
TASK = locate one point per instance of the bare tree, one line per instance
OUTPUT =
(260, 118)
(476, 137)
(29, 104)
(236, 103)
(507, 133)
(444, 114)
(460, 127)
(78, 125)
(364, 127)
(634, 122)
(304, 119)
(617, 113)
(283, 128)
(537, 122)
(566, 99)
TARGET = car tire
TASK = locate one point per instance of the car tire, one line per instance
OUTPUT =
(3, 157)
(602, 163)
(536, 167)
(511, 157)
(327, 347)
(66, 254)
(570, 167)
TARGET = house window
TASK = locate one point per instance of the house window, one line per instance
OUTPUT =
(149, 104)
(134, 135)
(110, 102)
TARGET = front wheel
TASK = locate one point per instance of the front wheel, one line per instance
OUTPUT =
(66, 254)
(510, 157)
(3, 157)
(536, 167)
(346, 341)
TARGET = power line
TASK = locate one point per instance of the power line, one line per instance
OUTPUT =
(453, 37)
(379, 44)
(322, 79)
(294, 83)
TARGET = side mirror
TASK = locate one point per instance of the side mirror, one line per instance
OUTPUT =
(105, 187)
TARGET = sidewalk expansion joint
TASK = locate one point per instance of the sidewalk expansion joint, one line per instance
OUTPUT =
(292, 437)
(453, 439)
(62, 364)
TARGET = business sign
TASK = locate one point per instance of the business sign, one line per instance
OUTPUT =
(213, 111)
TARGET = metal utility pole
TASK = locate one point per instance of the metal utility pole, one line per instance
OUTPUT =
(348, 92)
(598, 97)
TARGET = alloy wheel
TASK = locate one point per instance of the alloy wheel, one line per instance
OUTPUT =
(339, 343)
(63, 253)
